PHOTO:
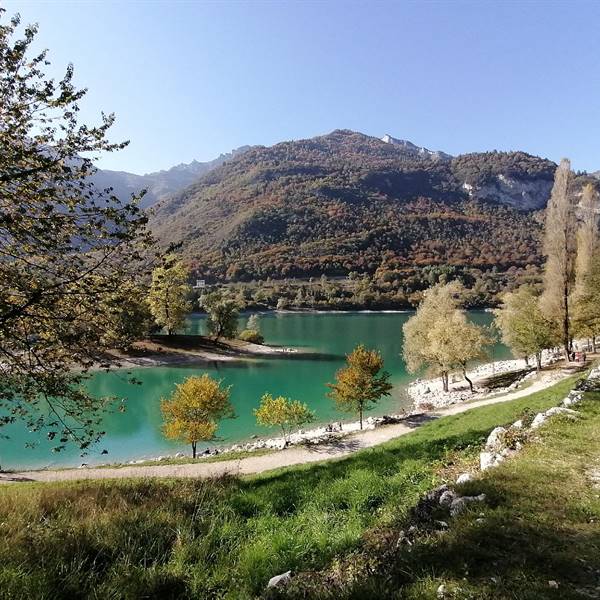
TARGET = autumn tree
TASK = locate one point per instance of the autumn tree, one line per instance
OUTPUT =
(587, 310)
(585, 295)
(283, 412)
(169, 293)
(193, 412)
(66, 247)
(361, 383)
(439, 336)
(559, 248)
(523, 326)
(222, 314)
(252, 332)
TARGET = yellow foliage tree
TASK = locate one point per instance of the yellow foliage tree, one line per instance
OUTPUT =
(361, 383)
(193, 412)
(282, 412)
(440, 337)
(169, 293)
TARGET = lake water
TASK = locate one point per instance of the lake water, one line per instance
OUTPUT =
(136, 433)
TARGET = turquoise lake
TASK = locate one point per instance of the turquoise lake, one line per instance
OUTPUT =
(136, 433)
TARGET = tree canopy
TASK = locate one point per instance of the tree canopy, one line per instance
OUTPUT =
(169, 293)
(440, 337)
(193, 411)
(282, 412)
(66, 247)
(361, 383)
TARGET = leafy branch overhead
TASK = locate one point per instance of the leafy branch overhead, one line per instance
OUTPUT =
(70, 254)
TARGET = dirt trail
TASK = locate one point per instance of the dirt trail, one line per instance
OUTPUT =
(296, 455)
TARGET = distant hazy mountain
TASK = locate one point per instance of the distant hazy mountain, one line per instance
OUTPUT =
(349, 202)
(160, 184)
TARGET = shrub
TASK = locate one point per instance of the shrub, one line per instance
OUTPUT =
(250, 335)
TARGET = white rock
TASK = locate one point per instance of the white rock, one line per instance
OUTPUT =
(553, 584)
(517, 424)
(495, 440)
(559, 410)
(464, 477)
(280, 580)
(441, 591)
(538, 420)
(486, 460)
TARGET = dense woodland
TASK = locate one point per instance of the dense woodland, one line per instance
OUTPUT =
(346, 202)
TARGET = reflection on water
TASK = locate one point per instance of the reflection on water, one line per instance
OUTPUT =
(136, 433)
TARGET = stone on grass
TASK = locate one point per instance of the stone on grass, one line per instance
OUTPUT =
(495, 440)
(447, 498)
(561, 410)
(461, 504)
(441, 591)
(517, 424)
(488, 460)
(464, 477)
(538, 420)
(280, 580)
(553, 584)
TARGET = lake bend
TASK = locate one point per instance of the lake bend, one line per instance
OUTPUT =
(136, 433)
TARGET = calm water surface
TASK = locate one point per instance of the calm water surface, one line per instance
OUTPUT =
(136, 433)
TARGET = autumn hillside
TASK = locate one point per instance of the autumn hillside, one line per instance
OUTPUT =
(346, 201)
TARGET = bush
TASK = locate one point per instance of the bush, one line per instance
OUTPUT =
(250, 335)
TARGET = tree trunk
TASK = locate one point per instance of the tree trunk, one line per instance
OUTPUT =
(360, 415)
(467, 379)
(445, 381)
(538, 361)
(194, 449)
(566, 332)
(526, 360)
(594, 344)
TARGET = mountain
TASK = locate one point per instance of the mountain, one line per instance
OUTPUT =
(349, 202)
(414, 150)
(160, 184)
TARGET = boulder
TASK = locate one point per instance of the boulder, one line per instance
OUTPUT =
(280, 580)
(447, 498)
(517, 424)
(459, 505)
(495, 440)
(561, 410)
(538, 420)
(464, 477)
(487, 460)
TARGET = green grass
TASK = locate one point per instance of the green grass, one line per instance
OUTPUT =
(225, 538)
(540, 523)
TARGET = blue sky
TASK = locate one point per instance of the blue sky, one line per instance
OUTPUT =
(194, 79)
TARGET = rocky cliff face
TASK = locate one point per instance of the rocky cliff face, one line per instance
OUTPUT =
(414, 150)
(511, 191)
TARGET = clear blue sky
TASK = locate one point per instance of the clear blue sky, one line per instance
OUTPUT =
(194, 79)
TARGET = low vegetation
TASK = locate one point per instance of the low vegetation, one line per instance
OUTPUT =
(536, 536)
(226, 538)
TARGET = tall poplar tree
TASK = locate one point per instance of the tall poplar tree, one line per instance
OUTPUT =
(559, 249)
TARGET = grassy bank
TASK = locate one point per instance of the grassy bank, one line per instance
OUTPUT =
(225, 538)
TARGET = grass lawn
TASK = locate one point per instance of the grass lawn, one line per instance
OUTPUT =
(226, 538)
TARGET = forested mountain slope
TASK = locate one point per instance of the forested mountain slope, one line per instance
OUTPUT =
(348, 202)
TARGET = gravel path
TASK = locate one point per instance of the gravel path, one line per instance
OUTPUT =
(296, 455)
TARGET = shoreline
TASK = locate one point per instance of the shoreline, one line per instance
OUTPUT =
(424, 406)
(336, 445)
(161, 351)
